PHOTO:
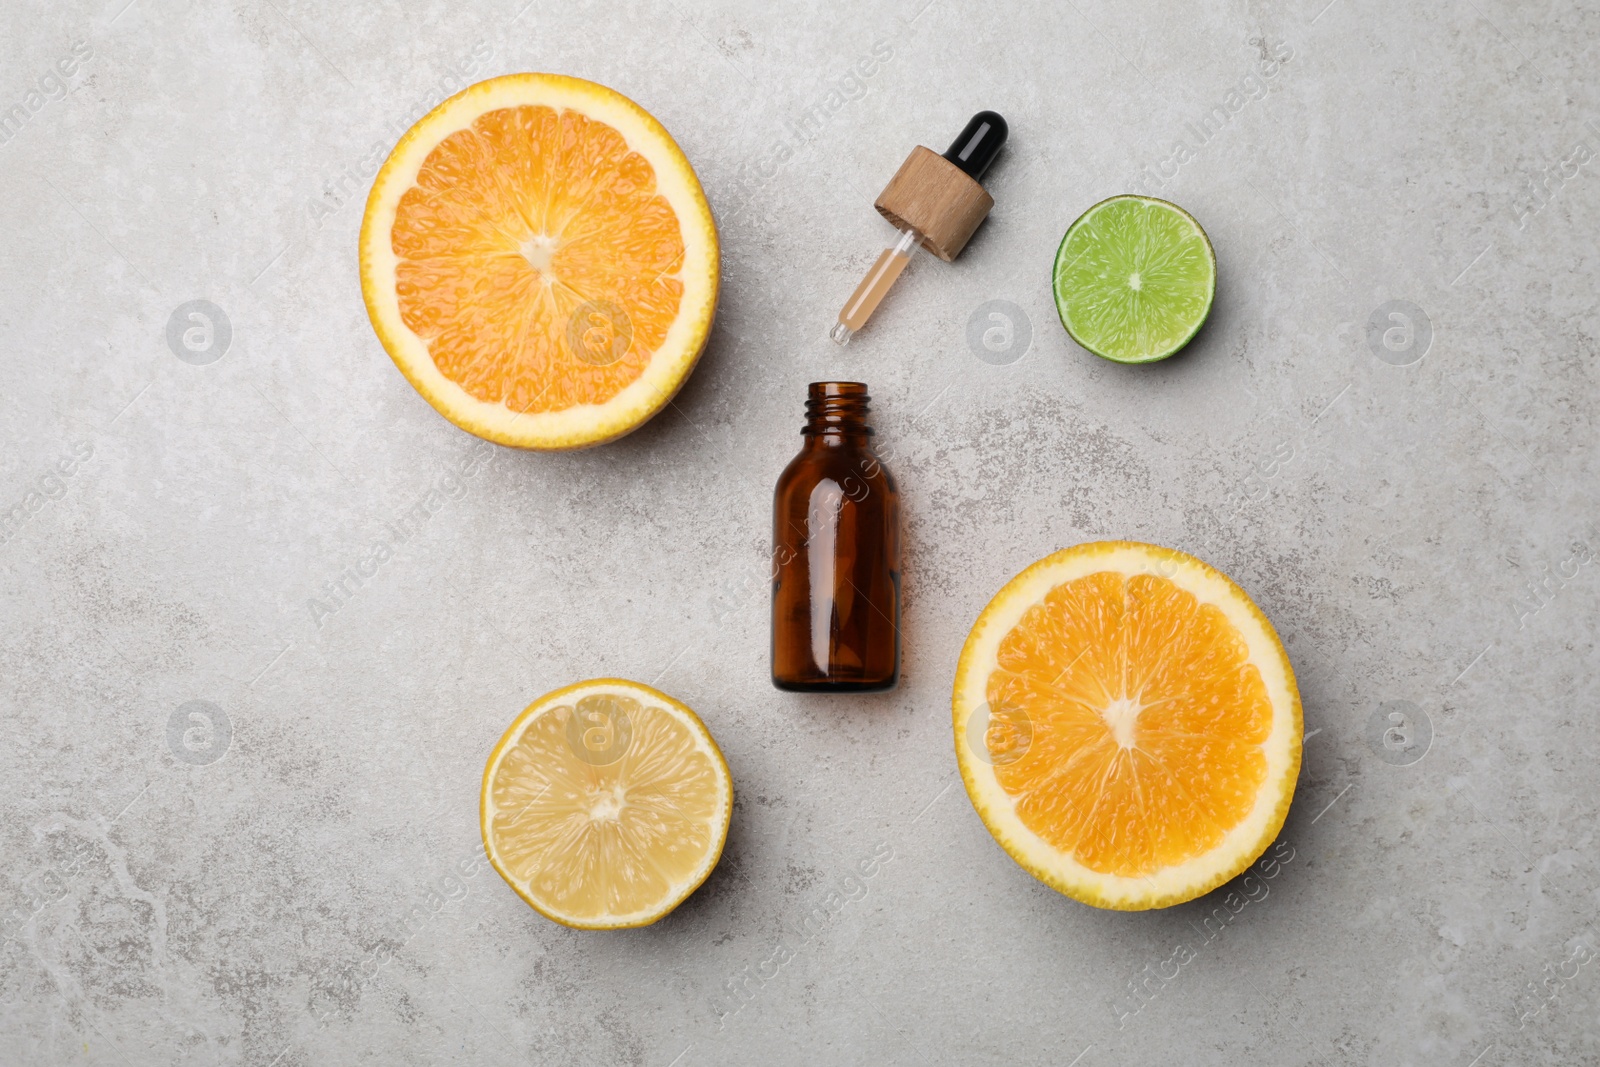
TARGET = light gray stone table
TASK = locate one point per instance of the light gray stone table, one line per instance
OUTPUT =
(1411, 499)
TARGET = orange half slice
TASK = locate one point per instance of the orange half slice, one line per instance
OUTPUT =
(538, 258)
(1127, 725)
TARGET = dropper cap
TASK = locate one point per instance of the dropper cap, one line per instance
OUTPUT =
(939, 196)
(978, 144)
(936, 202)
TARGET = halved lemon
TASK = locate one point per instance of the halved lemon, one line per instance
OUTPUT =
(1127, 725)
(605, 804)
(538, 258)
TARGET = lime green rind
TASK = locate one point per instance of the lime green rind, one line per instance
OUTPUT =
(1177, 268)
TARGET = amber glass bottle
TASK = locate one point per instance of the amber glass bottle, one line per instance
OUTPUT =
(836, 554)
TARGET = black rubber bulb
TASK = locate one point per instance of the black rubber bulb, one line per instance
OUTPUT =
(978, 144)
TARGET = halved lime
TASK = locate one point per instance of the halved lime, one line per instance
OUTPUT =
(1134, 279)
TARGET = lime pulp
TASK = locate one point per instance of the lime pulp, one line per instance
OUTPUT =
(1134, 279)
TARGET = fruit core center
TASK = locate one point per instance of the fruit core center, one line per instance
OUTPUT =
(1135, 282)
(1120, 715)
(605, 804)
(539, 250)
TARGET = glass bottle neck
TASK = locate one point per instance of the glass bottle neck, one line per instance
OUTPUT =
(836, 412)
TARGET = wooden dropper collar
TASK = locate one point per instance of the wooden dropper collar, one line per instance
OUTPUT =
(939, 196)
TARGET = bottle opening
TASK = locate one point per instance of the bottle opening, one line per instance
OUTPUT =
(837, 407)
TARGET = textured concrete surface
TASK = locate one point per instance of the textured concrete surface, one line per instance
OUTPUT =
(236, 833)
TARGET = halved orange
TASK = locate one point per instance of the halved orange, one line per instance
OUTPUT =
(538, 258)
(1127, 725)
(605, 804)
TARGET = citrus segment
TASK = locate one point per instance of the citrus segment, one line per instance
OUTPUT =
(605, 804)
(538, 258)
(1143, 726)
(1134, 279)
